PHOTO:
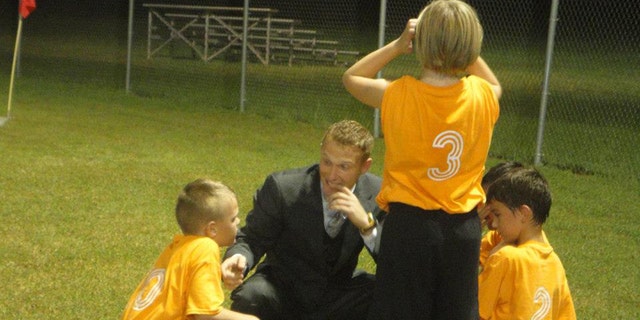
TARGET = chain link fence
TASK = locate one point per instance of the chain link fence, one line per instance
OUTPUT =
(592, 124)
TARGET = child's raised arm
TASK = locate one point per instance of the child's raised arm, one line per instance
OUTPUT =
(360, 79)
(481, 69)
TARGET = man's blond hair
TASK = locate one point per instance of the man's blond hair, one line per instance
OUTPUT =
(351, 133)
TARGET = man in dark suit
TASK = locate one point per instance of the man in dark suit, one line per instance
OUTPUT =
(312, 224)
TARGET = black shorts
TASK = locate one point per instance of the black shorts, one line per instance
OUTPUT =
(427, 265)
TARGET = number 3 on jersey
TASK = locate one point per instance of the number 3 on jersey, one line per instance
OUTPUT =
(454, 139)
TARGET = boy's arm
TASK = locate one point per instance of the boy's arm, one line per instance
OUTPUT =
(491, 282)
(567, 309)
(481, 69)
(224, 314)
(360, 80)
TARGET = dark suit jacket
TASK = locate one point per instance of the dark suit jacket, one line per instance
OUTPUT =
(286, 224)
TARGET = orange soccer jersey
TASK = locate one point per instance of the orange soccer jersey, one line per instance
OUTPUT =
(489, 241)
(525, 282)
(437, 140)
(185, 280)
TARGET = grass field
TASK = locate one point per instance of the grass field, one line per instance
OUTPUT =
(89, 179)
(89, 176)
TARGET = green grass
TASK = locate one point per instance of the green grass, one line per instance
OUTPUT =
(88, 189)
(89, 175)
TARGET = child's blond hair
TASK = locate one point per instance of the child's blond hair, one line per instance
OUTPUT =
(200, 202)
(448, 36)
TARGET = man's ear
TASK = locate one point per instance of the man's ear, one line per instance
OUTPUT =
(210, 229)
(366, 165)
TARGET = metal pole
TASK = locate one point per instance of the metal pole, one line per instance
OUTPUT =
(129, 45)
(243, 75)
(381, 29)
(13, 67)
(18, 53)
(553, 18)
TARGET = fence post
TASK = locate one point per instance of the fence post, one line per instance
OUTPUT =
(243, 76)
(381, 28)
(127, 81)
(553, 18)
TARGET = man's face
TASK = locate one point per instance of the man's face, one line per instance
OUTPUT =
(340, 166)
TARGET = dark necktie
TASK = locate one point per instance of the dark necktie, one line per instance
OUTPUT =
(336, 220)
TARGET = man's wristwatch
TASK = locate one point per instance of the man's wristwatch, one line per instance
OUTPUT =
(372, 223)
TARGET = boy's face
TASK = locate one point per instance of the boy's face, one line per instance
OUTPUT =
(509, 223)
(226, 228)
(340, 166)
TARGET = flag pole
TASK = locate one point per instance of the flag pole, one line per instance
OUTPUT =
(13, 70)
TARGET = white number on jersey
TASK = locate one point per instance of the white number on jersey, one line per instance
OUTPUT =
(542, 297)
(445, 138)
(150, 290)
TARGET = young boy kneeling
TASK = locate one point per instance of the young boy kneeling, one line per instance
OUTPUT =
(186, 281)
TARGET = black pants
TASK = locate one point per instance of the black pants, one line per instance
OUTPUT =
(263, 296)
(427, 265)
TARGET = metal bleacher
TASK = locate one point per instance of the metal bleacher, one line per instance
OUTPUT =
(213, 32)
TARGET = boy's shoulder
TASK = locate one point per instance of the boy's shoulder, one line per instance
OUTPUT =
(195, 244)
(528, 252)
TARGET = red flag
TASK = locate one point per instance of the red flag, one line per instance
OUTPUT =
(26, 7)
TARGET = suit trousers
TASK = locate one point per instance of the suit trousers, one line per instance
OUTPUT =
(263, 296)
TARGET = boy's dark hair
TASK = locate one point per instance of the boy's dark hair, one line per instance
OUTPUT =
(523, 186)
(498, 171)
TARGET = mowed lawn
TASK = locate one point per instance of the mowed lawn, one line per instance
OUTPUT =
(89, 177)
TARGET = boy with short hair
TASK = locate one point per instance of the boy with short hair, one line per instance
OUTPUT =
(185, 282)
(491, 240)
(525, 278)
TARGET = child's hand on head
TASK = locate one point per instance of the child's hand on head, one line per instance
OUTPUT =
(405, 42)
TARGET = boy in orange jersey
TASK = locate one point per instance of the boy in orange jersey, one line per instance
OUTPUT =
(491, 240)
(186, 280)
(524, 279)
(437, 132)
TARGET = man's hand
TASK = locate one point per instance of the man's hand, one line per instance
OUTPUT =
(348, 204)
(233, 271)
